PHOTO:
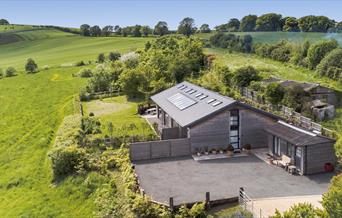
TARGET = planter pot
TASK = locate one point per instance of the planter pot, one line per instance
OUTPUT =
(206, 153)
(214, 152)
(221, 152)
(198, 154)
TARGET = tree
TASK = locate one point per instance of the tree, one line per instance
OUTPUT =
(131, 82)
(222, 28)
(233, 25)
(205, 28)
(161, 28)
(101, 58)
(291, 25)
(10, 71)
(113, 56)
(95, 31)
(331, 65)
(301, 210)
(145, 30)
(85, 73)
(31, 66)
(187, 26)
(245, 75)
(294, 97)
(315, 23)
(248, 23)
(274, 93)
(85, 30)
(332, 200)
(107, 30)
(269, 22)
(4, 22)
(318, 51)
(136, 31)
(117, 30)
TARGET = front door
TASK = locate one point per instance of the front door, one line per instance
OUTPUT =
(298, 160)
(234, 133)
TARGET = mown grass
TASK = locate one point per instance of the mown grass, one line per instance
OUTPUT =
(32, 107)
(54, 48)
(274, 37)
(122, 113)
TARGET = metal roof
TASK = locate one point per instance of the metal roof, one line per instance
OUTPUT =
(187, 103)
(296, 135)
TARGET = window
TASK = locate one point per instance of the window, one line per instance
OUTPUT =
(198, 95)
(211, 100)
(203, 97)
(289, 150)
(276, 145)
(234, 121)
(216, 103)
(234, 129)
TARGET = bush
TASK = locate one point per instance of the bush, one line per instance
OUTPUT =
(31, 66)
(294, 97)
(281, 52)
(245, 75)
(101, 58)
(114, 56)
(331, 65)
(67, 160)
(196, 211)
(131, 59)
(10, 71)
(332, 200)
(301, 210)
(318, 51)
(274, 93)
(85, 73)
(1, 73)
(79, 63)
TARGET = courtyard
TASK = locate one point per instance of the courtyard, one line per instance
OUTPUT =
(187, 180)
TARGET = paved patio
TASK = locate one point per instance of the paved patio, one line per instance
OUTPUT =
(187, 180)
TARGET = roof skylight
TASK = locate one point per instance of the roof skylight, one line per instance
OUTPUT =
(216, 103)
(202, 97)
(211, 100)
(181, 101)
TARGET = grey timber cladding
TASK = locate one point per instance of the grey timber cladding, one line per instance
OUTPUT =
(196, 112)
(318, 155)
(252, 128)
(159, 149)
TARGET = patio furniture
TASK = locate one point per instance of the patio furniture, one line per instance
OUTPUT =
(285, 161)
(291, 169)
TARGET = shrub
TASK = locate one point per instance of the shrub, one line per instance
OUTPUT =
(31, 66)
(131, 59)
(245, 75)
(281, 52)
(332, 200)
(114, 56)
(85, 73)
(294, 97)
(101, 58)
(318, 51)
(10, 71)
(331, 65)
(67, 160)
(274, 93)
(1, 73)
(79, 63)
(301, 210)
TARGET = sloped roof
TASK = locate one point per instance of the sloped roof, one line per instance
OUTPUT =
(296, 135)
(186, 106)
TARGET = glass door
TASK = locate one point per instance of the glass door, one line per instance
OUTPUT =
(234, 133)
(298, 160)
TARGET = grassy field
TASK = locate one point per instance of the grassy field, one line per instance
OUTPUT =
(274, 37)
(53, 48)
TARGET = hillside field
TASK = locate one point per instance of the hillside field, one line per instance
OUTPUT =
(54, 48)
(274, 37)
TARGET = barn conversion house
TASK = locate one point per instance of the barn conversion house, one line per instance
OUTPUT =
(205, 119)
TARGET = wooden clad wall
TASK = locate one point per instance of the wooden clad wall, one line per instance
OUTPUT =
(317, 156)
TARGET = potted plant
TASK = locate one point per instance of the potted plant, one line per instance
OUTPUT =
(213, 151)
(230, 150)
(198, 152)
(221, 150)
(247, 148)
(206, 151)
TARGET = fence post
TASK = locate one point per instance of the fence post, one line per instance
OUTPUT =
(171, 205)
(207, 199)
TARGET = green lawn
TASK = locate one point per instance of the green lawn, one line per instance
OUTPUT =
(54, 48)
(122, 113)
(274, 37)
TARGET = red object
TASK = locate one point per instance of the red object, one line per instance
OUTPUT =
(328, 167)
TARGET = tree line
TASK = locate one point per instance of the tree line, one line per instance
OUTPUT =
(276, 22)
